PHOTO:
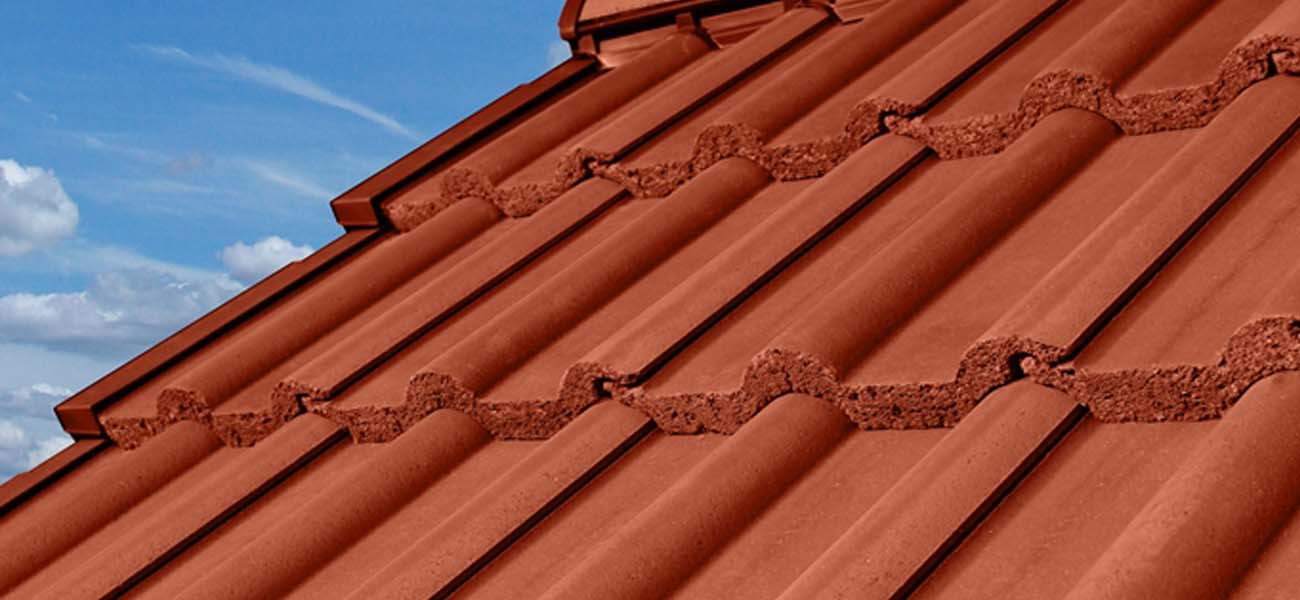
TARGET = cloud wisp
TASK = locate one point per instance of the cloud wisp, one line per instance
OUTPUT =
(250, 262)
(281, 79)
(35, 212)
(556, 53)
(288, 180)
(134, 153)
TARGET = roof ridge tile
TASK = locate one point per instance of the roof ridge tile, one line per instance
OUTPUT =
(713, 75)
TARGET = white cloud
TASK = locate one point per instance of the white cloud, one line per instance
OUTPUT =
(45, 448)
(282, 79)
(21, 449)
(133, 303)
(14, 446)
(29, 431)
(36, 400)
(11, 435)
(250, 263)
(35, 212)
(288, 180)
(557, 52)
(22, 97)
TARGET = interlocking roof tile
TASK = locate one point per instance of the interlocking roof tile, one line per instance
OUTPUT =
(756, 299)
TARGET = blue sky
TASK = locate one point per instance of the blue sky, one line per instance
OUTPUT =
(154, 161)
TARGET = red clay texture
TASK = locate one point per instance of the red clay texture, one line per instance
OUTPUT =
(923, 298)
(1261, 54)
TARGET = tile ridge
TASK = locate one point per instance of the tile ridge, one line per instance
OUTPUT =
(1185, 392)
(1187, 107)
(1256, 59)
(1259, 349)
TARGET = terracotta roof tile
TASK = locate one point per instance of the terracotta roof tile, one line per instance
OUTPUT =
(783, 300)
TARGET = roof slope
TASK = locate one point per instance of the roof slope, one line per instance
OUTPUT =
(953, 297)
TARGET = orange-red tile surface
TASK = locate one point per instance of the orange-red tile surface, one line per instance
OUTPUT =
(984, 299)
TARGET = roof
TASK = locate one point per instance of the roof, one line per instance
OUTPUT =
(980, 299)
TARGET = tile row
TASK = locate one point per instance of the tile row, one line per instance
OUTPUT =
(678, 108)
(799, 503)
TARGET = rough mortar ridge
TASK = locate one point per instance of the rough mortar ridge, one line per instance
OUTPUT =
(1175, 393)
(1162, 393)
(1181, 392)
(1187, 107)
(241, 428)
